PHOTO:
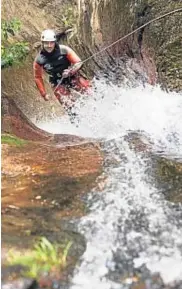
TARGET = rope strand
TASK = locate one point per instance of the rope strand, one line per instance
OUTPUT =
(155, 19)
(105, 48)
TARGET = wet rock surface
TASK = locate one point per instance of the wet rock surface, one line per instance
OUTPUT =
(15, 122)
(21, 283)
(169, 176)
(47, 209)
(47, 176)
(164, 170)
(42, 189)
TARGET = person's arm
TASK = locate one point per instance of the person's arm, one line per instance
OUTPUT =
(38, 72)
(75, 60)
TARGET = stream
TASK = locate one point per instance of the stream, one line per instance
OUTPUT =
(132, 231)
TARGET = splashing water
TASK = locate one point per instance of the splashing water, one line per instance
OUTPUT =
(111, 111)
(130, 224)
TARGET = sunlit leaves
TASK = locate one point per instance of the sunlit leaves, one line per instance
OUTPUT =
(12, 51)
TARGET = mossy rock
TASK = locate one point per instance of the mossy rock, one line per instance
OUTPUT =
(169, 178)
(12, 140)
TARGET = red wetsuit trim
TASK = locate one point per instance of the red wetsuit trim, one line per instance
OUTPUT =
(73, 57)
(38, 72)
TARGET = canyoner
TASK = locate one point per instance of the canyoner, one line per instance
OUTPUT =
(63, 66)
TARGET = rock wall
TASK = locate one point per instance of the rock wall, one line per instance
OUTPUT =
(157, 47)
(164, 38)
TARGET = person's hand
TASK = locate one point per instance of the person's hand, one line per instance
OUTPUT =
(66, 73)
(46, 97)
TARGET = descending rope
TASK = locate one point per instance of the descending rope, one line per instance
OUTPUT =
(120, 39)
(155, 19)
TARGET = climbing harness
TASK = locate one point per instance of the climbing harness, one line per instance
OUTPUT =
(61, 80)
(120, 39)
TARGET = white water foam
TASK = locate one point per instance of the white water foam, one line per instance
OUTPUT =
(110, 111)
(130, 218)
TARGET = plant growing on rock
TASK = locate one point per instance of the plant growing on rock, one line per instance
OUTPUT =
(44, 257)
(12, 140)
(12, 51)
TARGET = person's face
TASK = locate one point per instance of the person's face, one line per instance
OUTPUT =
(49, 45)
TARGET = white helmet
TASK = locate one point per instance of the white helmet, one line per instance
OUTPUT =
(48, 35)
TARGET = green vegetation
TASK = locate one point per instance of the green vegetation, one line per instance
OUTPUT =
(44, 257)
(12, 51)
(12, 140)
(68, 17)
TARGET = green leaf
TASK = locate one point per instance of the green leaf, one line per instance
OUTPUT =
(43, 257)
(65, 253)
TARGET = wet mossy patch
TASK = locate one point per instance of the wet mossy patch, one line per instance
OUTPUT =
(12, 140)
(168, 169)
(169, 178)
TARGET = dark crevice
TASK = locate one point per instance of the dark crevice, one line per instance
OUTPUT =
(142, 18)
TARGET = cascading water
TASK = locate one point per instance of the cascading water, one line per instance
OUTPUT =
(131, 229)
